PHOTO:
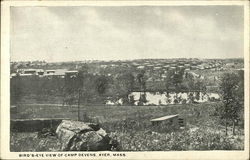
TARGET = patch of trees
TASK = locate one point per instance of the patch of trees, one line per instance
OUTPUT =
(123, 86)
(179, 81)
(34, 86)
(86, 88)
(232, 91)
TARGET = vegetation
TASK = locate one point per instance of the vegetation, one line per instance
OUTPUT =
(86, 87)
(209, 126)
(232, 90)
(131, 127)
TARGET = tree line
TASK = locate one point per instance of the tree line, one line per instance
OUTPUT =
(98, 88)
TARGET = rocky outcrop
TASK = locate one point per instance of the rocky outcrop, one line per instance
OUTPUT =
(80, 136)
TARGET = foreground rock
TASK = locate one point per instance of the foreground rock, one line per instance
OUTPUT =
(80, 136)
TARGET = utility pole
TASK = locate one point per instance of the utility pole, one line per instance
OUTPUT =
(78, 105)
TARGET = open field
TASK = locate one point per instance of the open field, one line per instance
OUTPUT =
(131, 127)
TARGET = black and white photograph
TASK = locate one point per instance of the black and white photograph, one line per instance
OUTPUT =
(127, 78)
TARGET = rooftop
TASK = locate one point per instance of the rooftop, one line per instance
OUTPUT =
(164, 118)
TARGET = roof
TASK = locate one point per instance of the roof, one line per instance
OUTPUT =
(26, 74)
(29, 69)
(164, 118)
(71, 71)
(140, 67)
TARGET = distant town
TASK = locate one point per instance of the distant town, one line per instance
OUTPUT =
(155, 68)
(124, 78)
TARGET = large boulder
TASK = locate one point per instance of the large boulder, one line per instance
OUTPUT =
(80, 136)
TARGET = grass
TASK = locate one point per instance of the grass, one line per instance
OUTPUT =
(30, 142)
(131, 127)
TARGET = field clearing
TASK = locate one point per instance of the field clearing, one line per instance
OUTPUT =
(110, 113)
(131, 127)
(194, 114)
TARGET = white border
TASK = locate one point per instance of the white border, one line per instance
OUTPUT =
(5, 63)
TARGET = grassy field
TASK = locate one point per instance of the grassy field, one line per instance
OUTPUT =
(131, 127)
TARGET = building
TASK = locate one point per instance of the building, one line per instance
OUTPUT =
(28, 72)
(170, 121)
(71, 73)
(50, 72)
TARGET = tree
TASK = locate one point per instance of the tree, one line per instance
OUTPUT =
(199, 86)
(131, 100)
(175, 78)
(141, 80)
(142, 99)
(191, 97)
(178, 79)
(168, 80)
(76, 86)
(232, 99)
(142, 83)
(71, 86)
(101, 84)
(190, 82)
(120, 83)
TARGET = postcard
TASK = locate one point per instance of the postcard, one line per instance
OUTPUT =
(125, 80)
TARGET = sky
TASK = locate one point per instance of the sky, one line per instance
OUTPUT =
(126, 32)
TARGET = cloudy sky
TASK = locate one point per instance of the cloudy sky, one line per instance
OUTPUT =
(132, 32)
